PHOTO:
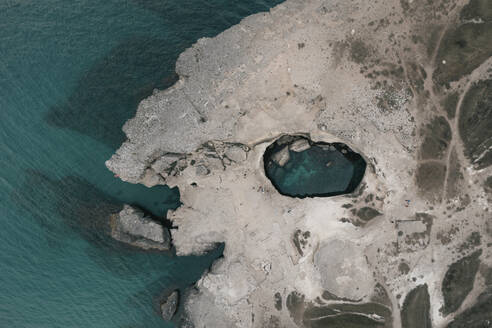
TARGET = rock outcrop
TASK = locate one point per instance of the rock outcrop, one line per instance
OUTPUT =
(132, 227)
(375, 76)
(170, 306)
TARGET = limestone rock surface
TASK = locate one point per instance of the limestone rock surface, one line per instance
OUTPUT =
(170, 306)
(132, 227)
(373, 75)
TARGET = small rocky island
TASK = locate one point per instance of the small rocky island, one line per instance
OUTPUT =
(401, 86)
(169, 306)
(132, 227)
(301, 168)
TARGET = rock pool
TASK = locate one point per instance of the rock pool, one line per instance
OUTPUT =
(299, 167)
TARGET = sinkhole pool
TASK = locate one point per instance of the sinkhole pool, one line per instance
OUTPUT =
(299, 167)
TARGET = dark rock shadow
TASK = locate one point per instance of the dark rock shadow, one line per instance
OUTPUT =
(192, 19)
(109, 93)
(79, 207)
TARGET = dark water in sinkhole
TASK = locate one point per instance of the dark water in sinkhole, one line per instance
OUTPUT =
(322, 170)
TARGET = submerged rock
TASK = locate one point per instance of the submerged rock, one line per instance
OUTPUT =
(170, 306)
(130, 226)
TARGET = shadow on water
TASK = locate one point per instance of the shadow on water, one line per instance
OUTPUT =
(81, 209)
(69, 216)
(195, 19)
(109, 93)
(80, 206)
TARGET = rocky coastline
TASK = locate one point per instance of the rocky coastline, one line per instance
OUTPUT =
(132, 227)
(410, 247)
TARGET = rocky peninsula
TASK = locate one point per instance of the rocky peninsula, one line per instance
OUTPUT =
(406, 84)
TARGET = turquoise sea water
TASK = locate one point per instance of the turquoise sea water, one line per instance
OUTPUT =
(71, 73)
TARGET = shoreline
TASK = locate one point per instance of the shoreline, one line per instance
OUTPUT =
(322, 70)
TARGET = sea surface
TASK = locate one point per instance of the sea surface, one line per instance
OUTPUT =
(71, 73)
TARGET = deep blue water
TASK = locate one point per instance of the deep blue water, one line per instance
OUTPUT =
(71, 73)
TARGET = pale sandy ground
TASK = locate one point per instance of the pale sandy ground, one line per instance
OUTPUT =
(296, 70)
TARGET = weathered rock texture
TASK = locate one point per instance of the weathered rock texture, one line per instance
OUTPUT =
(380, 76)
(130, 226)
(170, 306)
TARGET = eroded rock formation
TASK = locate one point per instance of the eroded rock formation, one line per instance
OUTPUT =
(170, 305)
(132, 227)
(402, 82)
